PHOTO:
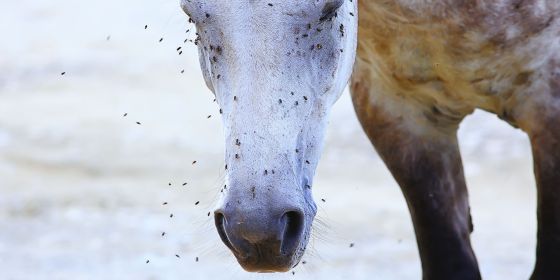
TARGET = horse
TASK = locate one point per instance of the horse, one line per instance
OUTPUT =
(416, 69)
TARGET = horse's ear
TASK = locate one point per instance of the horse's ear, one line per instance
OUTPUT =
(329, 8)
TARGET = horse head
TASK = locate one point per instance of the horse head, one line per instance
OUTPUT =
(275, 68)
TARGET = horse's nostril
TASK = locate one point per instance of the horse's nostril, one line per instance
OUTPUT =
(219, 220)
(293, 230)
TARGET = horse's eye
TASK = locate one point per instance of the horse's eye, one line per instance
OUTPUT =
(330, 8)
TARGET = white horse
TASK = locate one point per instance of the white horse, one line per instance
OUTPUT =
(277, 67)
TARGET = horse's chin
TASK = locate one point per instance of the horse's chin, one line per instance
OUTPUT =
(266, 267)
(270, 264)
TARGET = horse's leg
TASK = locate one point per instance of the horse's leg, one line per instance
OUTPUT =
(544, 131)
(425, 161)
(546, 156)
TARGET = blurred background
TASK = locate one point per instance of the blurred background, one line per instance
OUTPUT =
(83, 187)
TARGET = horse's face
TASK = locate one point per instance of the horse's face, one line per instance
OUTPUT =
(276, 67)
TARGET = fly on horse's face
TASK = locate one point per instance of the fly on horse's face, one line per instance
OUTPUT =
(276, 68)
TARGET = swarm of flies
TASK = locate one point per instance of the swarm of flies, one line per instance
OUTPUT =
(214, 53)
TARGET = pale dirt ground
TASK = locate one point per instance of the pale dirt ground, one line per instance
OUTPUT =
(81, 187)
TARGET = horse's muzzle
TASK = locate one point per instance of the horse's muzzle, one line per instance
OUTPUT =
(261, 241)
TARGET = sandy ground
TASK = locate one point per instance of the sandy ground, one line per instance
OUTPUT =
(82, 187)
